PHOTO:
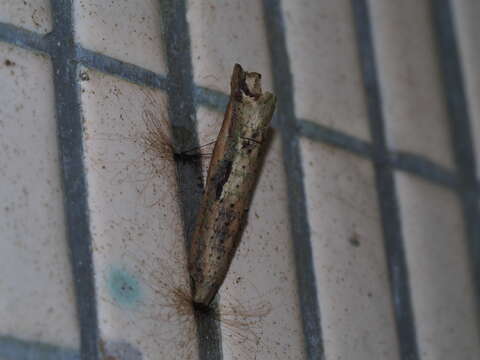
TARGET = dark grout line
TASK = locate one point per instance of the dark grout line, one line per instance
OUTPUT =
(424, 168)
(210, 98)
(182, 115)
(410, 163)
(460, 130)
(300, 227)
(386, 189)
(13, 348)
(181, 105)
(321, 133)
(24, 38)
(68, 111)
(123, 70)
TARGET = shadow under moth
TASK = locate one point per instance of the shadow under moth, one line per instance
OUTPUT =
(231, 178)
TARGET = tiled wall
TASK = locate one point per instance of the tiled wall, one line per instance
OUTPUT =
(363, 239)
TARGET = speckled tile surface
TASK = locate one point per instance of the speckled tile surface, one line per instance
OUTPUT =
(325, 70)
(442, 295)
(136, 229)
(213, 56)
(125, 31)
(33, 15)
(350, 262)
(409, 74)
(37, 300)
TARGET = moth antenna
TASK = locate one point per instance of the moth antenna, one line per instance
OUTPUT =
(199, 147)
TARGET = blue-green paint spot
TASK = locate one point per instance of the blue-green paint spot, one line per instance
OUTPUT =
(124, 287)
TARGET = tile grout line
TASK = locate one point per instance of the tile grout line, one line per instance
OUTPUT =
(300, 227)
(123, 70)
(182, 115)
(14, 348)
(323, 134)
(411, 163)
(386, 189)
(24, 38)
(68, 113)
(423, 168)
(460, 133)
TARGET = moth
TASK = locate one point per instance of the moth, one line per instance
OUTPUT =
(231, 177)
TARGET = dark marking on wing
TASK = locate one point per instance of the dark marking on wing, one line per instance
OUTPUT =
(222, 177)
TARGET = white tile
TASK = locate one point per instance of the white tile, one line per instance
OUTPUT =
(440, 280)
(466, 13)
(33, 15)
(325, 65)
(138, 243)
(410, 79)
(130, 31)
(224, 33)
(262, 275)
(37, 300)
(352, 276)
